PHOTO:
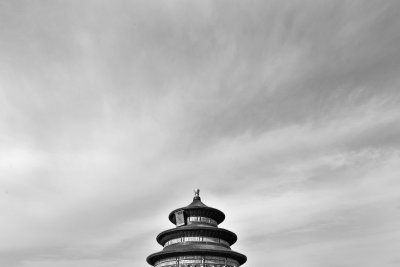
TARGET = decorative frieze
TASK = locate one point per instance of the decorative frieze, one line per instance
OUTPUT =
(199, 219)
(197, 261)
(196, 239)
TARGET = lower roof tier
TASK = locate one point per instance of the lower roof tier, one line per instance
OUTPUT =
(196, 249)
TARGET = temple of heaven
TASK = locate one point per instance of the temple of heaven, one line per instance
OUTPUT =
(196, 241)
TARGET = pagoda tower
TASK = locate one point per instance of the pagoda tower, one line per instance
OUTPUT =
(196, 241)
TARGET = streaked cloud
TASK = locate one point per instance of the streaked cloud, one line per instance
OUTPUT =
(285, 114)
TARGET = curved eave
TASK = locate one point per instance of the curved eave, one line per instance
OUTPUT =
(213, 213)
(153, 258)
(224, 234)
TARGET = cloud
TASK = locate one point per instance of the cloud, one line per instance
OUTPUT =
(285, 115)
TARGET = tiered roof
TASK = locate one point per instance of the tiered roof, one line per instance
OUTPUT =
(196, 233)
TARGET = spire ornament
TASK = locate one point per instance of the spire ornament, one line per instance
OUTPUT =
(197, 193)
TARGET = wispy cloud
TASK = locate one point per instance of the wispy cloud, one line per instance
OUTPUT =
(286, 116)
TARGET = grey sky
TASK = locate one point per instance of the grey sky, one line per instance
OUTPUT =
(284, 113)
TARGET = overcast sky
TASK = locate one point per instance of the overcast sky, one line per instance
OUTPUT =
(284, 113)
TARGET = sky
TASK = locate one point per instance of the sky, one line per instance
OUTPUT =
(285, 114)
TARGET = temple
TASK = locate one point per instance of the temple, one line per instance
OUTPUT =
(196, 241)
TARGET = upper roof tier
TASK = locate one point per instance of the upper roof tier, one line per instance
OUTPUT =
(198, 208)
